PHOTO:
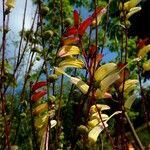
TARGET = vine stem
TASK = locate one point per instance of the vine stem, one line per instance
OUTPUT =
(143, 97)
(58, 129)
(2, 78)
(134, 132)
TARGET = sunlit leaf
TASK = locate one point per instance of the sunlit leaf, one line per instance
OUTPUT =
(10, 3)
(39, 109)
(68, 51)
(104, 70)
(128, 103)
(71, 31)
(84, 25)
(71, 62)
(36, 96)
(76, 18)
(143, 51)
(94, 133)
(70, 40)
(39, 85)
(146, 65)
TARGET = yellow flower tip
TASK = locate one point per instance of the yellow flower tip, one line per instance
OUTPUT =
(102, 94)
(53, 123)
(94, 133)
(146, 65)
(93, 123)
(104, 70)
(143, 51)
(72, 62)
(130, 4)
(133, 11)
(83, 87)
(10, 4)
(100, 107)
(97, 116)
(68, 51)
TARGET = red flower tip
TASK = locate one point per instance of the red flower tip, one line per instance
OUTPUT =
(36, 96)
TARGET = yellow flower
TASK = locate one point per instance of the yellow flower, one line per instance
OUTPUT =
(10, 3)
(146, 65)
(68, 51)
(130, 4)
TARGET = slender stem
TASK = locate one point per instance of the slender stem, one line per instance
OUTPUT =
(134, 132)
(22, 31)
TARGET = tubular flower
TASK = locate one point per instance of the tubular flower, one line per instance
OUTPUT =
(68, 51)
(104, 70)
(129, 85)
(130, 4)
(143, 51)
(146, 65)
